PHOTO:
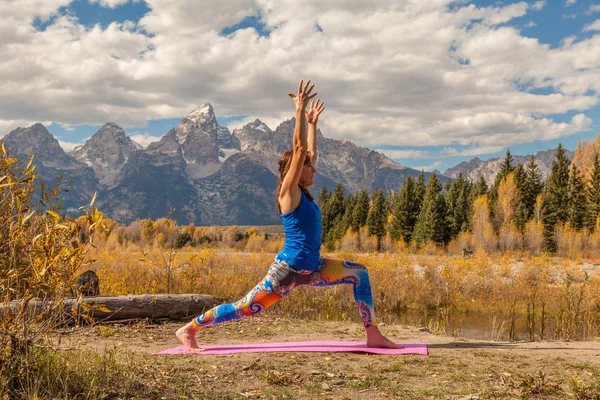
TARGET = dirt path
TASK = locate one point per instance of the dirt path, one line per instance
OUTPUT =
(455, 368)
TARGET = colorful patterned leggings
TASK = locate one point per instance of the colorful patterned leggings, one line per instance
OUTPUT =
(281, 279)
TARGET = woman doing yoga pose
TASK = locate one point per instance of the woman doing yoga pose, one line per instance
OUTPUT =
(299, 262)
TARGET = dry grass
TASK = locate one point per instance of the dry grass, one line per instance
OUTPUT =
(558, 298)
(454, 369)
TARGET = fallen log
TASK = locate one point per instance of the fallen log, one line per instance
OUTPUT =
(111, 308)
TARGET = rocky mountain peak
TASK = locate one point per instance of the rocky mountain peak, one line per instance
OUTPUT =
(286, 126)
(51, 161)
(167, 144)
(110, 134)
(256, 135)
(33, 139)
(202, 171)
(35, 131)
(202, 112)
(110, 125)
(259, 125)
(200, 121)
(106, 152)
(200, 136)
(488, 169)
(110, 130)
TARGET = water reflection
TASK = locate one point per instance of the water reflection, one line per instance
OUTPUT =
(476, 326)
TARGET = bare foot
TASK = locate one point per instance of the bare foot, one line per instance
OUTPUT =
(383, 342)
(376, 339)
(187, 336)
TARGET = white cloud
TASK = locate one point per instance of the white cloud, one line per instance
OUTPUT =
(12, 11)
(530, 24)
(594, 26)
(538, 5)
(397, 154)
(431, 167)
(144, 139)
(392, 72)
(68, 146)
(110, 3)
(594, 8)
(570, 2)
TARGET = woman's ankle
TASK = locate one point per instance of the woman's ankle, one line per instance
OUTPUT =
(373, 331)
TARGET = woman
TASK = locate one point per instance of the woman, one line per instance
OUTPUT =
(299, 262)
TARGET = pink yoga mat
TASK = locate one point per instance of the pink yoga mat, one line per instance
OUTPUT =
(319, 346)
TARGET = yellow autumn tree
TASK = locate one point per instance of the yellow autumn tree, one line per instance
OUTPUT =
(508, 200)
(584, 155)
(483, 230)
(534, 229)
(509, 237)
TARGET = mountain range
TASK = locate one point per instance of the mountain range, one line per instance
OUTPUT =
(488, 169)
(201, 172)
(197, 172)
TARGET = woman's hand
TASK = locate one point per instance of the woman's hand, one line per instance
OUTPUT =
(304, 95)
(315, 109)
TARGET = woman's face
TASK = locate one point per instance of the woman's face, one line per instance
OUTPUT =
(308, 173)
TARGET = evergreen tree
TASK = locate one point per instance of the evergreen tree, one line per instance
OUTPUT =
(420, 191)
(593, 195)
(332, 215)
(577, 199)
(406, 212)
(556, 197)
(532, 187)
(323, 197)
(480, 189)
(431, 223)
(345, 223)
(377, 216)
(390, 201)
(457, 206)
(519, 172)
(464, 205)
(505, 169)
(361, 211)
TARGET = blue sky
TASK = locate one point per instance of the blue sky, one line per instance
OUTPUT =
(145, 64)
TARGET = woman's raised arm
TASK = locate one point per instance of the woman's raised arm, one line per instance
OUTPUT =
(312, 116)
(289, 186)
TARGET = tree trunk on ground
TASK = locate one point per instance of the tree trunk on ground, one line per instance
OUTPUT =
(153, 306)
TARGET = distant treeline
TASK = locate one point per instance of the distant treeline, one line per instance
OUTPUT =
(518, 211)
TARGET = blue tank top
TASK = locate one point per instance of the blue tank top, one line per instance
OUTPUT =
(302, 228)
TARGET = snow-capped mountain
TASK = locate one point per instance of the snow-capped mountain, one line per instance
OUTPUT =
(203, 142)
(106, 152)
(199, 172)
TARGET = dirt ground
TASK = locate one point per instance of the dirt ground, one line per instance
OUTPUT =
(455, 368)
